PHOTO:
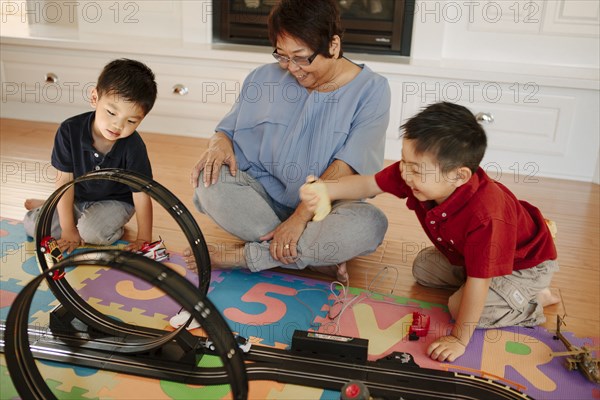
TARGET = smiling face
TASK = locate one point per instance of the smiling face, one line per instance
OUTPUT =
(115, 117)
(424, 176)
(312, 76)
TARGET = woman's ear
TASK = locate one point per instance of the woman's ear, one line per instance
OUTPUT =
(463, 175)
(334, 46)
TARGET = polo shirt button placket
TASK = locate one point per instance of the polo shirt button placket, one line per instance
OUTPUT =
(97, 167)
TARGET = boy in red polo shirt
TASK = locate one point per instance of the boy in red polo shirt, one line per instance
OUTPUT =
(495, 249)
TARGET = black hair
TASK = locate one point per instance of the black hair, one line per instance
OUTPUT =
(314, 22)
(450, 133)
(130, 79)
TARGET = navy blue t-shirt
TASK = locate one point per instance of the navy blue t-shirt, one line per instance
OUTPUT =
(74, 152)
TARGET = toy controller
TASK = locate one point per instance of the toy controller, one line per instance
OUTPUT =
(324, 205)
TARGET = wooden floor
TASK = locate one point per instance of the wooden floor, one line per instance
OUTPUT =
(25, 149)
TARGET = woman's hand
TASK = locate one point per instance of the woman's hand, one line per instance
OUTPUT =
(219, 152)
(284, 239)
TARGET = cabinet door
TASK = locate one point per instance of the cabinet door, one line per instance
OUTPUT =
(532, 130)
(45, 83)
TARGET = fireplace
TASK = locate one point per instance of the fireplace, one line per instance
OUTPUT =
(370, 26)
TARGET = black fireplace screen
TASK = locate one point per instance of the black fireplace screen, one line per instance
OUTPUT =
(370, 26)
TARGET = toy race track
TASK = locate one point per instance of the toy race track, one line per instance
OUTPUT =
(78, 334)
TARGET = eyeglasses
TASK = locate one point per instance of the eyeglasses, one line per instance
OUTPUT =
(299, 61)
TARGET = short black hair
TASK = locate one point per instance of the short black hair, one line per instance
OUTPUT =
(450, 133)
(130, 79)
(315, 22)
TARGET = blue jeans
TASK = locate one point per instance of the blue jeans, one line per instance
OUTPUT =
(242, 207)
(98, 222)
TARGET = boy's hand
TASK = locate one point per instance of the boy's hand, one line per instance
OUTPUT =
(314, 195)
(136, 245)
(69, 240)
(446, 348)
(309, 195)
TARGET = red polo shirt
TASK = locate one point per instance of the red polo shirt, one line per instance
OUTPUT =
(481, 226)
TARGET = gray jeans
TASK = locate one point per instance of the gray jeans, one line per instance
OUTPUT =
(511, 300)
(242, 207)
(98, 222)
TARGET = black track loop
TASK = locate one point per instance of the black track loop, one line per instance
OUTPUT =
(19, 358)
(144, 339)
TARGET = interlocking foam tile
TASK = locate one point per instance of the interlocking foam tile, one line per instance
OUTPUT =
(113, 286)
(43, 301)
(134, 316)
(7, 389)
(60, 378)
(18, 261)
(268, 308)
(522, 355)
(70, 377)
(294, 392)
(74, 393)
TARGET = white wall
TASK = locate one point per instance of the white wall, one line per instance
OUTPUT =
(533, 64)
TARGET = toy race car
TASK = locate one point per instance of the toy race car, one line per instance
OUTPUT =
(52, 254)
(243, 343)
(419, 327)
(155, 250)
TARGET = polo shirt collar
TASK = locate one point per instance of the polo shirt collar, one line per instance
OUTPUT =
(459, 198)
(87, 141)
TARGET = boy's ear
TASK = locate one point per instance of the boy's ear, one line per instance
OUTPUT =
(463, 174)
(94, 97)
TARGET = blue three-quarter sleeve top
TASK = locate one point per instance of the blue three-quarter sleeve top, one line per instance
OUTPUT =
(282, 133)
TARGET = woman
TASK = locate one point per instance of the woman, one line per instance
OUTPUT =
(313, 112)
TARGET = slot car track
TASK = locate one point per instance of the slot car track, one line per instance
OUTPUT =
(81, 335)
(389, 380)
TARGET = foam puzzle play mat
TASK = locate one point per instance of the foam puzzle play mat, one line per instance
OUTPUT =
(264, 335)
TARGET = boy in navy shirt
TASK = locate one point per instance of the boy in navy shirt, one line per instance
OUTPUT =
(96, 211)
(497, 252)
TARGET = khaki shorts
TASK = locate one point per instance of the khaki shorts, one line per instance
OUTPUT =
(511, 300)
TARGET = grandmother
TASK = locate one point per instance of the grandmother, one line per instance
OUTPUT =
(312, 112)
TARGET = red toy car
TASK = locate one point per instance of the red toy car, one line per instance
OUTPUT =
(53, 254)
(419, 327)
(155, 250)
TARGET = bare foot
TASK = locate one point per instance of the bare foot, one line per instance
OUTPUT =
(546, 297)
(223, 256)
(31, 204)
(190, 261)
(338, 272)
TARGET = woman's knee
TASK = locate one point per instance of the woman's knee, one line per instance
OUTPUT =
(207, 198)
(369, 221)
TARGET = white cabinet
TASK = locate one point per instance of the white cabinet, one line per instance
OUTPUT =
(546, 119)
(52, 84)
(530, 128)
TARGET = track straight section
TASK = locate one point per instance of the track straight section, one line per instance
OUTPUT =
(385, 380)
